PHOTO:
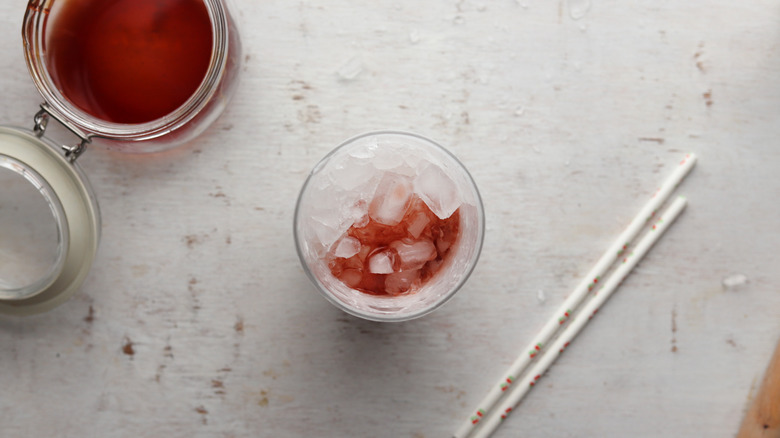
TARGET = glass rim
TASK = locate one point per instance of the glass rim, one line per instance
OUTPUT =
(33, 31)
(32, 177)
(80, 218)
(444, 298)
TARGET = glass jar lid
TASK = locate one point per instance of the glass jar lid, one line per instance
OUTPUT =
(49, 224)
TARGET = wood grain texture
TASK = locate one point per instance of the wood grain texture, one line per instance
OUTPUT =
(197, 320)
(763, 418)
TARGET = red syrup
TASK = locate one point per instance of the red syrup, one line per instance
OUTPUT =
(128, 61)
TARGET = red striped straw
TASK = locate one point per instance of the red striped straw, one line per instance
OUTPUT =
(591, 280)
(506, 406)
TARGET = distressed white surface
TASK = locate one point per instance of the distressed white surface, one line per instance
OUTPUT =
(566, 125)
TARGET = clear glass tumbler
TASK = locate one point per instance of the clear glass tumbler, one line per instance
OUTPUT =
(389, 226)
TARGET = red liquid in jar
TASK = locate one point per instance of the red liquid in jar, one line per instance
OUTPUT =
(128, 61)
(411, 251)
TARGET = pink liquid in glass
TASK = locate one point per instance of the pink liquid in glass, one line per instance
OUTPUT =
(391, 259)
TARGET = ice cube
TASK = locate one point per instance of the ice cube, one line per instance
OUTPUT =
(417, 224)
(406, 170)
(350, 69)
(414, 37)
(414, 254)
(351, 277)
(387, 157)
(361, 222)
(355, 215)
(438, 191)
(735, 281)
(364, 150)
(365, 251)
(443, 244)
(391, 199)
(351, 175)
(381, 262)
(415, 162)
(434, 265)
(347, 247)
(400, 282)
(326, 230)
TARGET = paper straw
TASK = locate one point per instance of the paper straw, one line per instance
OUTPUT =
(575, 298)
(579, 321)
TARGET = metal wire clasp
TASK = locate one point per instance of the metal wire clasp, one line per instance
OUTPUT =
(41, 120)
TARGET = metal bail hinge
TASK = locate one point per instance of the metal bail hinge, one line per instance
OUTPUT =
(73, 152)
(41, 120)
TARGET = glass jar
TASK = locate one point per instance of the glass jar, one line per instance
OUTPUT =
(173, 129)
(50, 218)
(50, 224)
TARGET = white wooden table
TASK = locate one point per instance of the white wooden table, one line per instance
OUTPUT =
(197, 319)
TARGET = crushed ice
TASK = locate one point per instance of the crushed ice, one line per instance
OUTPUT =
(414, 37)
(351, 69)
(735, 281)
(578, 8)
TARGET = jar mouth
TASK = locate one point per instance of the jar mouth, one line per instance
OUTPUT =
(55, 221)
(28, 265)
(33, 36)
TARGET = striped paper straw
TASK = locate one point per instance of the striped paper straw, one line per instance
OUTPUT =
(578, 322)
(590, 281)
